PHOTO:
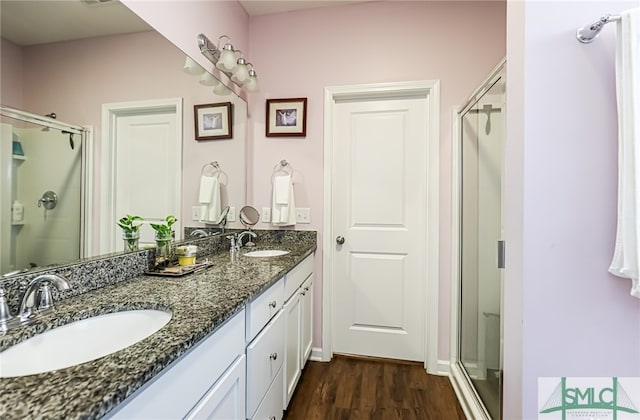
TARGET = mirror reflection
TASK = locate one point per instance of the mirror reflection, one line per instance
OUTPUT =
(75, 79)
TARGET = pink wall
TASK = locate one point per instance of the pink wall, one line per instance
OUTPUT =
(10, 74)
(575, 319)
(298, 54)
(182, 21)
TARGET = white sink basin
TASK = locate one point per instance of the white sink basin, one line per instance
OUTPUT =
(266, 253)
(80, 342)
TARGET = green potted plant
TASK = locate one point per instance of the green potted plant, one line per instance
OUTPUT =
(164, 236)
(130, 231)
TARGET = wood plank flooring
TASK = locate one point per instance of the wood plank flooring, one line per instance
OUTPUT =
(362, 389)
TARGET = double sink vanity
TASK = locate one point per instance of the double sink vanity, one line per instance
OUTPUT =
(229, 341)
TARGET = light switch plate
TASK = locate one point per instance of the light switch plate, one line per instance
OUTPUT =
(303, 215)
(266, 215)
(231, 216)
(195, 213)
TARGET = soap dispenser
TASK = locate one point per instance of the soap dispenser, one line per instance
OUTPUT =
(17, 212)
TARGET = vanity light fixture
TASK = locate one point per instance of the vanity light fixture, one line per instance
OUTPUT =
(240, 73)
(191, 67)
(221, 90)
(207, 79)
(252, 80)
(225, 59)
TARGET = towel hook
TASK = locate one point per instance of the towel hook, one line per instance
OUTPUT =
(214, 165)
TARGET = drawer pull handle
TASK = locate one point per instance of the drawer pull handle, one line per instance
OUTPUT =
(306, 289)
(303, 293)
(273, 304)
(273, 356)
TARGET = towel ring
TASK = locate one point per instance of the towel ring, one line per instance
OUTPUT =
(282, 167)
(213, 165)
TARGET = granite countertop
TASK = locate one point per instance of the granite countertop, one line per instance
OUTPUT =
(199, 303)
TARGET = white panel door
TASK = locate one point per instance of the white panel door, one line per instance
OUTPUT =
(379, 208)
(148, 167)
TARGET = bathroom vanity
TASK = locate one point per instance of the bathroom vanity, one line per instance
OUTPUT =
(238, 338)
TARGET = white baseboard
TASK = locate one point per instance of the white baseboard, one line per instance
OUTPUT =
(316, 355)
(444, 367)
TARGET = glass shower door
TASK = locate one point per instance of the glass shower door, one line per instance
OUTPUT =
(482, 138)
(42, 174)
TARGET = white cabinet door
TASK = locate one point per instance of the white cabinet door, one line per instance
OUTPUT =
(264, 361)
(225, 399)
(306, 324)
(292, 365)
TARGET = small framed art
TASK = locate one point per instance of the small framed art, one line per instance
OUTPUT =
(286, 117)
(213, 121)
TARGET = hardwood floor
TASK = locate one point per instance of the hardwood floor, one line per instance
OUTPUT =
(353, 389)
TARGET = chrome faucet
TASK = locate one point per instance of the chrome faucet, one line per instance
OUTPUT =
(241, 235)
(37, 299)
(200, 233)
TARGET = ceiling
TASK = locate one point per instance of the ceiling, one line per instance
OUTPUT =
(78, 19)
(74, 20)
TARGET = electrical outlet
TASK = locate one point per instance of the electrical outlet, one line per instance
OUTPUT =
(266, 215)
(195, 213)
(303, 215)
(231, 216)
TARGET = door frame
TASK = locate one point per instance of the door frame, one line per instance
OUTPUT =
(110, 114)
(429, 89)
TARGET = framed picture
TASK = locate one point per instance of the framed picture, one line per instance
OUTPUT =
(287, 117)
(213, 121)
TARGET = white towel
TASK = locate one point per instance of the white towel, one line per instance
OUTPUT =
(209, 199)
(283, 207)
(626, 254)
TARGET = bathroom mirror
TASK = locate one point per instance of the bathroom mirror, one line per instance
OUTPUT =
(75, 77)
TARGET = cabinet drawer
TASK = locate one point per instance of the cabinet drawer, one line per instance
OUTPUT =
(263, 308)
(271, 406)
(264, 359)
(294, 278)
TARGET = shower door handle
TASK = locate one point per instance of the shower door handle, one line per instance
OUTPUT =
(500, 254)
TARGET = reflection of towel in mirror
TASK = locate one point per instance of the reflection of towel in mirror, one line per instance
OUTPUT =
(209, 199)
(283, 207)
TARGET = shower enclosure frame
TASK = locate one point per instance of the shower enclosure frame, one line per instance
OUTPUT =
(86, 168)
(469, 398)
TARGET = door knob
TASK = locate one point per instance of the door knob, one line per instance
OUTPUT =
(340, 240)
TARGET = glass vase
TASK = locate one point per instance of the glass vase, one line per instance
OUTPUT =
(163, 248)
(131, 240)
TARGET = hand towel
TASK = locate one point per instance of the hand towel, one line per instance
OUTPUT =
(283, 207)
(626, 254)
(209, 199)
